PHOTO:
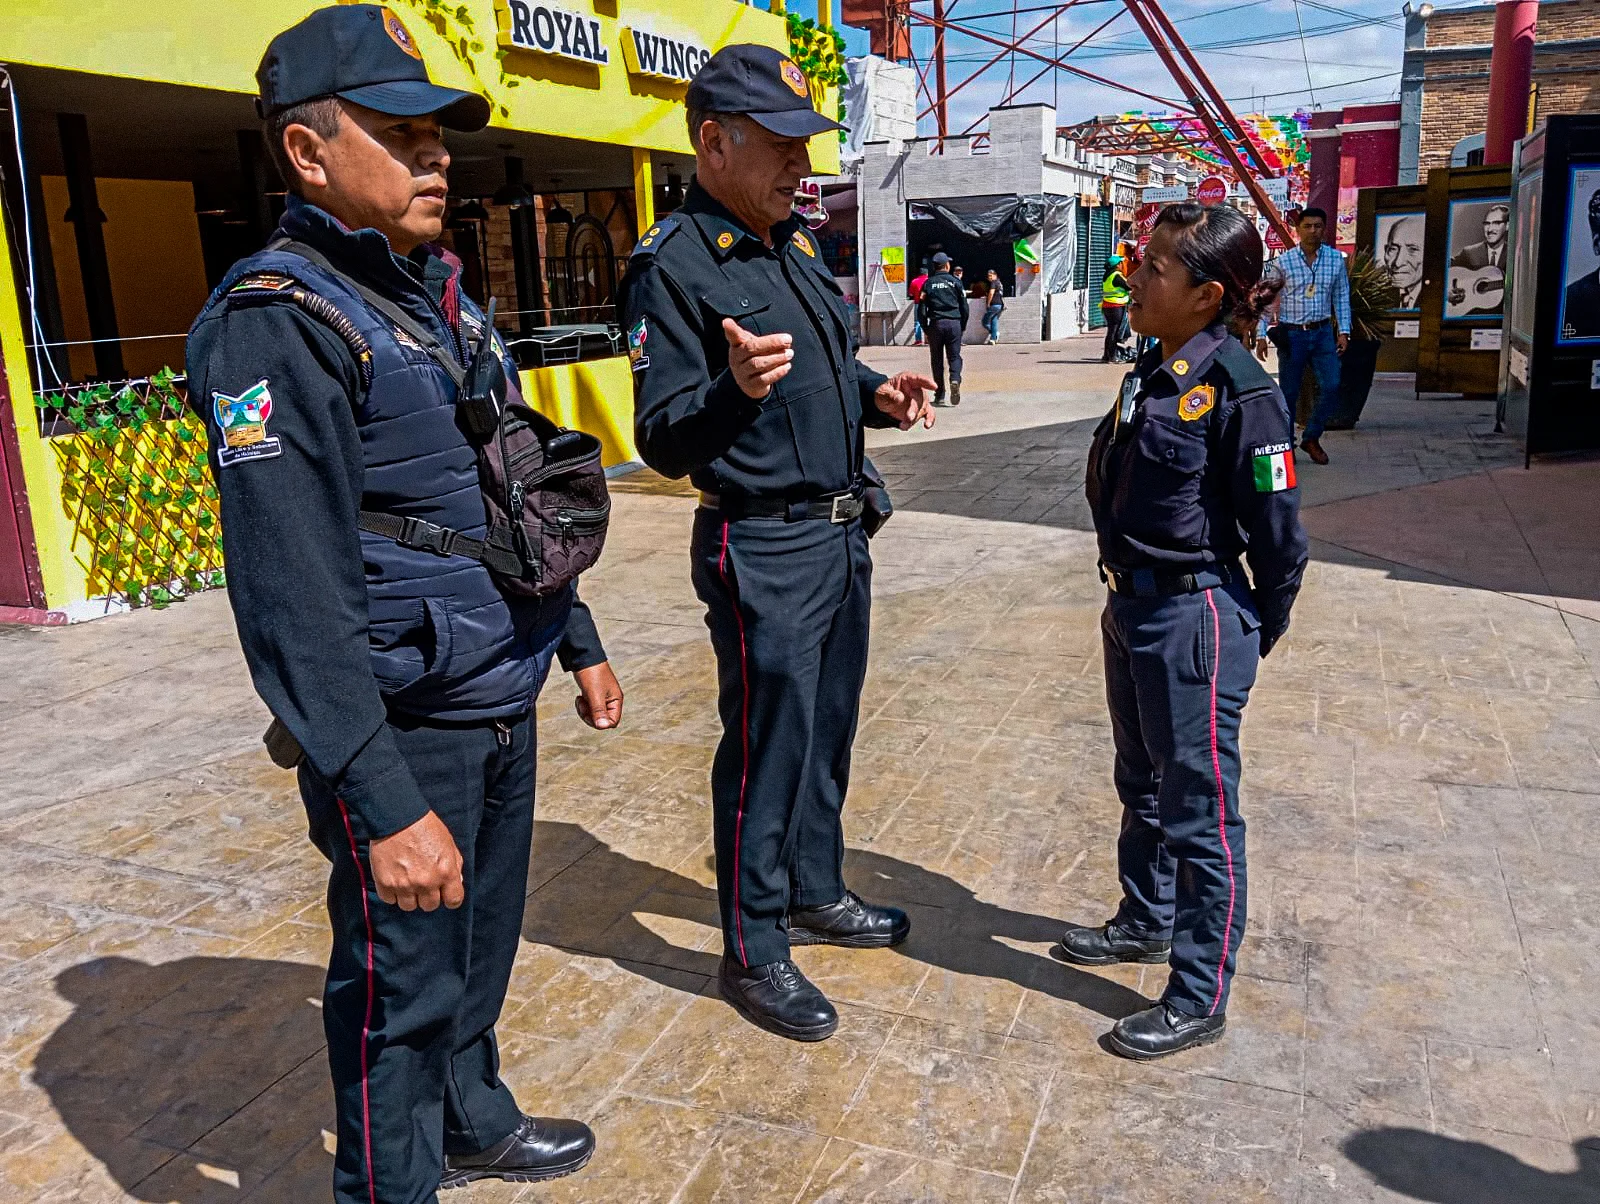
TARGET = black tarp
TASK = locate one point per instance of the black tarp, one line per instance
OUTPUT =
(985, 218)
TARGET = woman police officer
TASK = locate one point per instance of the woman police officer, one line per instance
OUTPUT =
(1193, 468)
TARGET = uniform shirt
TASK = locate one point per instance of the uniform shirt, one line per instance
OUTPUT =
(1202, 473)
(296, 578)
(944, 298)
(1312, 292)
(804, 439)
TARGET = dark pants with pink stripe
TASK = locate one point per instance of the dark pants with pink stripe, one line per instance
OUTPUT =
(788, 605)
(1178, 673)
(412, 996)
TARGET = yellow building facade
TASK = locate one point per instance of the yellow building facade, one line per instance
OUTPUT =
(146, 110)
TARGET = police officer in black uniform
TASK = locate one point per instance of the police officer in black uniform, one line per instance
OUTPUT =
(942, 310)
(745, 379)
(1192, 469)
(401, 677)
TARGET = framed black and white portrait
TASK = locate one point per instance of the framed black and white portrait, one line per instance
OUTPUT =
(1399, 252)
(1579, 318)
(1479, 254)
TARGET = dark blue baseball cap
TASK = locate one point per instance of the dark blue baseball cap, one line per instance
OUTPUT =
(363, 54)
(763, 84)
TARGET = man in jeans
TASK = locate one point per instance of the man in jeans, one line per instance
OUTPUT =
(1313, 313)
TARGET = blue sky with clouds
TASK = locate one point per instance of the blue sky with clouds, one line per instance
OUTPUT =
(1253, 49)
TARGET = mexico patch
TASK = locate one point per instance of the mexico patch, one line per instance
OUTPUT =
(1274, 468)
(637, 359)
(242, 420)
(1197, 403)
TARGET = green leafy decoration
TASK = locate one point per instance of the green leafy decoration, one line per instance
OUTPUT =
(819, 53)
(136, 485)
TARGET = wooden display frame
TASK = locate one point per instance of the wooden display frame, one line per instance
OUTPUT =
(1549, 386)
(1373, 204)
(1446, 360)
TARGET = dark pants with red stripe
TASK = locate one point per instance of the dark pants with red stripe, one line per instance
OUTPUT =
(788, 605)
(1178, 672)
(412, 996)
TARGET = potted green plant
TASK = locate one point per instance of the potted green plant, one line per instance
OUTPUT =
(1372, 296)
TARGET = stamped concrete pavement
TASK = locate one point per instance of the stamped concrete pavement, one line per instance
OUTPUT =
(1414, 1017)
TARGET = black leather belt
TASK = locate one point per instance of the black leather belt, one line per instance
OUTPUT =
(839, 508)
(1305, 325)
(1158, 583)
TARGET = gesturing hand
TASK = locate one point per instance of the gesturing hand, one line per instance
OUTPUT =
(757, 361)
(418, 866)
(599, 702)
(904, 397)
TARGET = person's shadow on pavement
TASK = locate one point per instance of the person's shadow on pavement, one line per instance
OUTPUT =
(1446, 1170)
(588, 898)
(195, 1078)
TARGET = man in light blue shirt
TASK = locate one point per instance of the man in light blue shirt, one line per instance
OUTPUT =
(1313, 314)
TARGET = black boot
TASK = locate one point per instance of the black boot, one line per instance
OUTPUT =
(955, 392)
(539, 1148)
(777, 997)
(851, 923)
(1108, 944)
(1163, 1030)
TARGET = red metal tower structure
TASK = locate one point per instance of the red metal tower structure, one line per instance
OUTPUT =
(891, 24)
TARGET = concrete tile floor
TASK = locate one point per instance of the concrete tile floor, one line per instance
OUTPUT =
(1415, 1015)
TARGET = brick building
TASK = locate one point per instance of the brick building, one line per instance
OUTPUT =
(1444, 88)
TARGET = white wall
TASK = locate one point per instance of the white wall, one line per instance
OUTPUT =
(1021, 159)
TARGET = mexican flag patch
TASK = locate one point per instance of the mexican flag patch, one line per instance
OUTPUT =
(1274, 468)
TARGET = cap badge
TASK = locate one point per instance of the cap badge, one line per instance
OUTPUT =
(796, 80)
(1180, 367)
(400, 35)
(1197, 403)
(804, 243)
(724, 240)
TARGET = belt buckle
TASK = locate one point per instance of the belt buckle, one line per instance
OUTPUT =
(842, 510)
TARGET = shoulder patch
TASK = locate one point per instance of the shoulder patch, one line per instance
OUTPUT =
(242, 423)
(638, 361)
(656, 235)
(804, 243)
(1272, 467)
(262, 282)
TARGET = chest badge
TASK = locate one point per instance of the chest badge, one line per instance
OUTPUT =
(1197, 403)
(1180, 367)
(804, 243)
(724, 240)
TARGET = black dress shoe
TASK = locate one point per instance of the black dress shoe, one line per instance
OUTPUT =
(850, 923)
(1108, 944)
(537, 1149)
(1163, 1030)
(777, 997)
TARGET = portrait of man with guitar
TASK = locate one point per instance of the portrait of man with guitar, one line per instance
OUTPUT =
(1477, 286)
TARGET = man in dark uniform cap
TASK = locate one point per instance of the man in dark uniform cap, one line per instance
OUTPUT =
(745, 379)
(943, 311)
(402, 672)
